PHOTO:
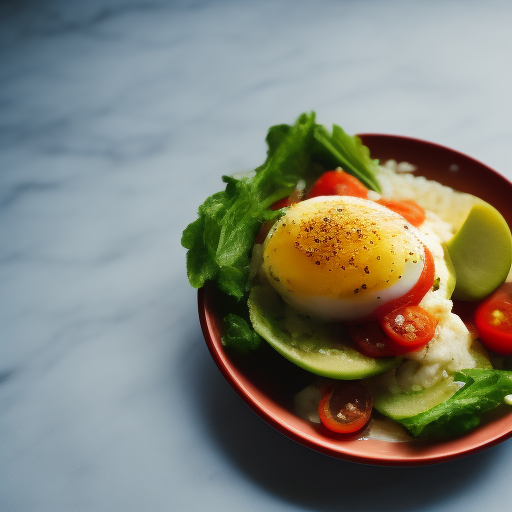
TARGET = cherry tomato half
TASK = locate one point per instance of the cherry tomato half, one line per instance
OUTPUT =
(372, 341)
(411, 211)
(493, 319)
(412, 327)
(417, 292)
(338, 183)
(346, 406)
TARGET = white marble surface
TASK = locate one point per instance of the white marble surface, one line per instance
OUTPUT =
(117, 119)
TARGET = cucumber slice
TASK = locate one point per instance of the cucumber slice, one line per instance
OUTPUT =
(322, 349)
(405, 404)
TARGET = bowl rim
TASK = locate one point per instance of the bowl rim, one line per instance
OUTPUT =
(366, 451)
(369, 135)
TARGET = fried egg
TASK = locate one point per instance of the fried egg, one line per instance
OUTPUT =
(339, 258)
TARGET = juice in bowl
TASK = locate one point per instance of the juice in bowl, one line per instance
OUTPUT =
(352, 291)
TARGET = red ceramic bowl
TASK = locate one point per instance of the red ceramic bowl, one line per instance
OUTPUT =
(267, 382)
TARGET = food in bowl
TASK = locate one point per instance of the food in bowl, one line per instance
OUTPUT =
(349, 274)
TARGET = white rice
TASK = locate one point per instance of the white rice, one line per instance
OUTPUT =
(448, 204)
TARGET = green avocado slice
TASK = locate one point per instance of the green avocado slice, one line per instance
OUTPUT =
(322, 349)
(481, 253)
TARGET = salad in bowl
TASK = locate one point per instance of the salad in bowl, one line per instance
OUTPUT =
(378, 300)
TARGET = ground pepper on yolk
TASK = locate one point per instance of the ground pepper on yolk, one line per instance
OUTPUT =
(338, 249)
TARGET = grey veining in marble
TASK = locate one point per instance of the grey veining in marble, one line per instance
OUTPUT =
(117, 119)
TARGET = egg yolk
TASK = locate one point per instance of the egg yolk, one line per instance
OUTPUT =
(340, 248)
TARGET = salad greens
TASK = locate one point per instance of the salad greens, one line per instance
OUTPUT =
(239, 334)
(340, 149)
(221, 239)
(482, 390)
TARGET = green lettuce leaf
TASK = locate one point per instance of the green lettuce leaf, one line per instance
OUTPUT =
(288, 160)
(482, 390)
(341, 150)
(220, 241)
(239, 334)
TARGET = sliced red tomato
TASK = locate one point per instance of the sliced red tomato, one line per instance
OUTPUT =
(410, 210)
(411, 327)
(338, 183)
(376, 341)
(346, 406)
(417, 292)
(372, 341)
(493, 319)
